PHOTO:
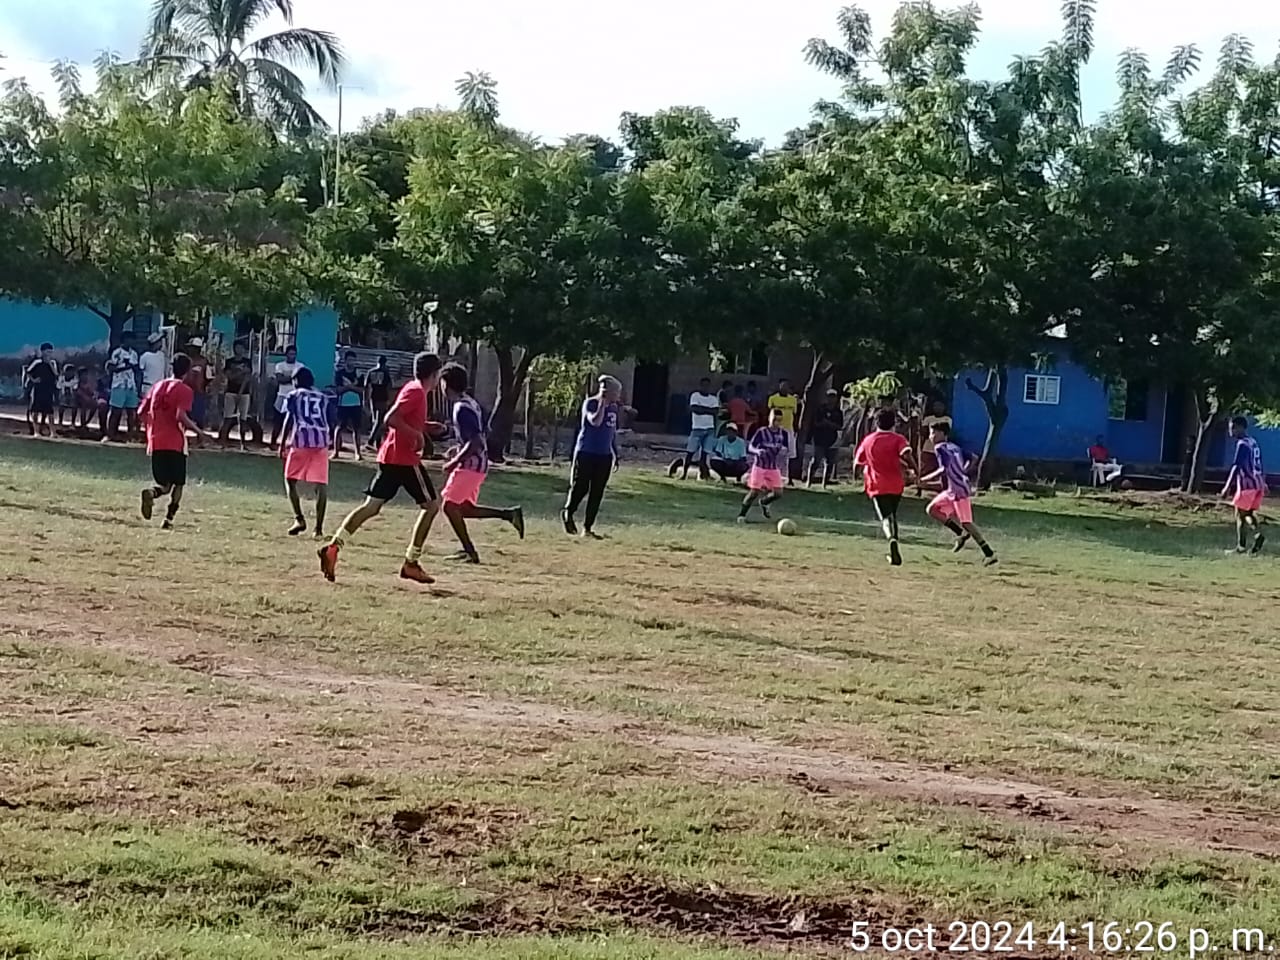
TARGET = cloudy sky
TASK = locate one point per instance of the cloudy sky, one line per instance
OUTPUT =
(570, 66)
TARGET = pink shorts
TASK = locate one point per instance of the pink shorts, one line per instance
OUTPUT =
(946, 506)
(307, 465)
(1248, 499)
(760, 479)
(462, 486)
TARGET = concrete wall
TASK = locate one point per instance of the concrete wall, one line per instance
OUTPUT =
(1065, 430)
(78, 335)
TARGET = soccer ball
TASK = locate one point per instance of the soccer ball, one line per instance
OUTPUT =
(787, 527)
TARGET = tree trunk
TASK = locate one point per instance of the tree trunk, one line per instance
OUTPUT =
(555, 438)
(1207, 415)
(120, 313)
(511, 377)
(811, 397)
(995, 397)
(528, 418)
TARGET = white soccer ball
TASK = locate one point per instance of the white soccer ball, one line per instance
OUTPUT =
(787, 527)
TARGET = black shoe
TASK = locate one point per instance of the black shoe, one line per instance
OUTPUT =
(764, 508)
(299, 527)
(148, 503)
(990, 561)
(1258, 542)
(961, 542)
(167, 525)
(570, 527)
(517, 520)
(895, 553)
(589, 534)
(462, 557)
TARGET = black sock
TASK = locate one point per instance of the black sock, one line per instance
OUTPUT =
(986, 548)
(746, 506)
(954, 526)
(171, 512)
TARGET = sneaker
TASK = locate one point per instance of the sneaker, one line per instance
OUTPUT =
(148, 503)
(990, 561)
(319, 535)
(1258, 542)
(167, 525)
(764, 508)
(462, 556)
(589, 534)
(961, 542)
(517, 520)
(570, 527)
(743, 521)
(412, 570)
(328, 555)
(895, 553)
(299, 527)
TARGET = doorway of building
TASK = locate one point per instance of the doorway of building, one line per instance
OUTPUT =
(649, 388)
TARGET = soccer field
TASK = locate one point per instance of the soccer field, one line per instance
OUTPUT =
(691, 740)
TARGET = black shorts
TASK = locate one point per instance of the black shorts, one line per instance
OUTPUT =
(43, 402)
(169, 468)
(349, 417)
(886, 504)
(391, 478)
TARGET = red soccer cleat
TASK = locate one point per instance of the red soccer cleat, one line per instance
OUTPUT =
(328, 555)
(412, 570)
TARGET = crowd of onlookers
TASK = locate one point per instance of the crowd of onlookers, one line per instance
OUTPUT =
(104, 401)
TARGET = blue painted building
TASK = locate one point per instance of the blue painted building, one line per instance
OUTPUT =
(1056, 412)
(80, 336)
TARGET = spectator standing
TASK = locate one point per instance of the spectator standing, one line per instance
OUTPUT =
(379, 383)
(123, 367)
(346, 384)
(703, 408)
(154, 364)
(285, 373)
(824, 435)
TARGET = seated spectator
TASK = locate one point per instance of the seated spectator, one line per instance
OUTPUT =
(729, 459)
(1102, 466)
(86, 399)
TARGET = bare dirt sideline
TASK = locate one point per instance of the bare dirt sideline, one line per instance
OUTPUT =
(1117, 816)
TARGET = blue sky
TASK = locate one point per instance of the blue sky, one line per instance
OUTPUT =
(570, 66)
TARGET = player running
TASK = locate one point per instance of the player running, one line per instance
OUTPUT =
(953, 507)
(885, 455)
(166, 416)
(399, 468)
(1249, 482)
(769, 446)
(305, 448)
(466, 469)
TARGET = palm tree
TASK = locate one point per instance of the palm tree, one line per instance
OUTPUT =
(206, 41)
(478, 97)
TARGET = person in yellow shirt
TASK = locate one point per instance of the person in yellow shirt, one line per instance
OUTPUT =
(787, 402)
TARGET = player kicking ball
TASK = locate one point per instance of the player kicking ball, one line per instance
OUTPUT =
(305, 449)
(465, 471)
(166, 415)
(769, 446)
(953, 507)
(1247, 486)
(399, 468)
(885, 456)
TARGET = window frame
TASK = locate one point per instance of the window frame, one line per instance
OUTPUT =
(1031, 395)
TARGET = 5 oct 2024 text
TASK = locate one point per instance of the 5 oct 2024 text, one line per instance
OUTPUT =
(1105, 937)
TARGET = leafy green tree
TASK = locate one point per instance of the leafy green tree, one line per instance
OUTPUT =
(150, 200)
(208, 43)
(515, 242)
(1176, 226)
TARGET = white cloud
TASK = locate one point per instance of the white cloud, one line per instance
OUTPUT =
(567, 66)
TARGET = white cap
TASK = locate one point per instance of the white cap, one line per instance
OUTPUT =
(195, 342)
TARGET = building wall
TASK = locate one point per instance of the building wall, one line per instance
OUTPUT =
(1065, 430)
(78, 335)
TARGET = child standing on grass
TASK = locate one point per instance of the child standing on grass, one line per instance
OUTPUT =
(769, 446)
(953, 507)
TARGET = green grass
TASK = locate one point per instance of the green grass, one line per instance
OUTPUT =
(204, 747)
